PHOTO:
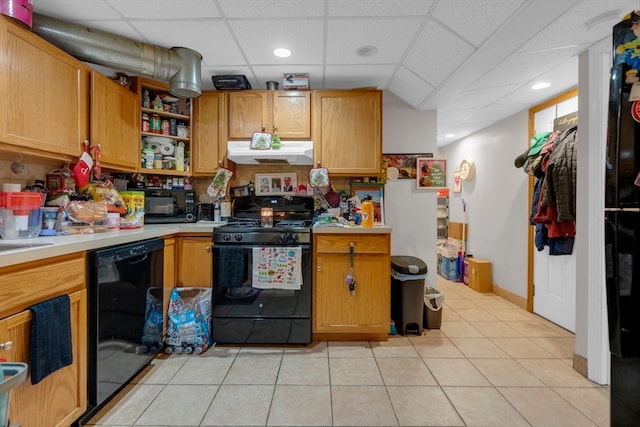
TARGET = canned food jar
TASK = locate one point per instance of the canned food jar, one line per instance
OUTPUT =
(145, 123)
(165, 127)
(155, 124)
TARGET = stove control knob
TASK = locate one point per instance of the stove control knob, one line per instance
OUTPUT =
(238, 237)
(284, 237)
(226, 237)
(294, 237)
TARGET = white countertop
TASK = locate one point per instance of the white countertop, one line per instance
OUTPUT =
(51, 246)
(62, 245)
(353, 229)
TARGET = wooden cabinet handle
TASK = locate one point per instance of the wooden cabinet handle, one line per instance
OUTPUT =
(6, 346)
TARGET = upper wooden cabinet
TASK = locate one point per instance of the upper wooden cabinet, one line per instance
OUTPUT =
(44, 100)
(115, 123)
(347, 131)
(209, 133)
(250, 110)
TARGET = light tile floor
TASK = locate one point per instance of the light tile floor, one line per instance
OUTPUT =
(490, 364)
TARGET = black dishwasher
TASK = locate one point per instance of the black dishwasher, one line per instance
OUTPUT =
(124, 308)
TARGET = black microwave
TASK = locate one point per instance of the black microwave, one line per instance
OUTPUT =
(166, 206)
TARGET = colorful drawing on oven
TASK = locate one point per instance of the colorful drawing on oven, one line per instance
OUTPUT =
(630, 51)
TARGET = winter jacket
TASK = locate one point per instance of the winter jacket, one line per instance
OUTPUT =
(560, 176)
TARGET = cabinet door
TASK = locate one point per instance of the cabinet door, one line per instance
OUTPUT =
(292, 114)
(60, 398)
(44, 95)
(115, 118)
(209, 145)
(249, 111)
(336, 310)
(169, 278)
(347, 131)
(195, 261)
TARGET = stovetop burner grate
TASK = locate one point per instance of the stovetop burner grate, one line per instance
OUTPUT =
(291, 224)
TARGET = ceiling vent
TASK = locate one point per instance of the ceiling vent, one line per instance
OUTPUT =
(180, 66)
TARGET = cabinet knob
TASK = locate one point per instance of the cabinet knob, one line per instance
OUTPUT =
(319, 268)
(207, 248)
(6, 346)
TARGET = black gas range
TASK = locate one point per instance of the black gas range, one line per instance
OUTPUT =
(262, 272)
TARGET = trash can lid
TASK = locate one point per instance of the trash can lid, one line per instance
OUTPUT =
(406, 264)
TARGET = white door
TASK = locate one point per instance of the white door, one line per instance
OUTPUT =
(554, 276)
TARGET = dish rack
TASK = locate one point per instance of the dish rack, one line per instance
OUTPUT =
(13, 374)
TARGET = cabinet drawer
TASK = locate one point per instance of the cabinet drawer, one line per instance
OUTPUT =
(362, 244)
(23, 285)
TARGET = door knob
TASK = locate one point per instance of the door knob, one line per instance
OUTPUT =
(6, 346)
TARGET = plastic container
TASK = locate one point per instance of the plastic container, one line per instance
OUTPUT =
(367, 213)
(408, 275)
(21, 215)
(11, 376)
(433, 303)
(49, 217)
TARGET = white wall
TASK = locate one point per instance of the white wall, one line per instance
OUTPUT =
(409, 211)
(496, 199)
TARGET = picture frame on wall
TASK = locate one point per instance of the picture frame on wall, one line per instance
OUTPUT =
(278, 184)
(457, 182)
(431, 173)
(373, 191)
(402, 166)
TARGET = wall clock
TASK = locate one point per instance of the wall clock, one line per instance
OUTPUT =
(467, 169)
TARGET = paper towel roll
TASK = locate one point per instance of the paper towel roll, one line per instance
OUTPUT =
(167, 149)
(9, 187)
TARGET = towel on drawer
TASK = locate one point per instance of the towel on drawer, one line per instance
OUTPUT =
(277, 267)
(232, 265)
(50, 337)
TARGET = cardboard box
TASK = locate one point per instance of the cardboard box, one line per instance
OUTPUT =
(295, 81)
(455, 230)
(478, 274)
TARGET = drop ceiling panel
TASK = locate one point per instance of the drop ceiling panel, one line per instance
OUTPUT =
(522, 67)
(389, 36)
(480, 97)
(303, 37)
(271, 9)
(379, 7)
(73, 10)
(354, 76)
(218, 47)
(570, 29)
(409, 87)
(436, 53)
(165, 9)
(475, 20)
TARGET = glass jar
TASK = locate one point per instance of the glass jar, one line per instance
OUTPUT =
(155, 124)
(145, 123)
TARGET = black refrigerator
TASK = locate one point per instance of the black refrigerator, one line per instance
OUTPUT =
(622, 224)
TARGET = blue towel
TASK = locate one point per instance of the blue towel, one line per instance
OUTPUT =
(50, 337)
(232, 265)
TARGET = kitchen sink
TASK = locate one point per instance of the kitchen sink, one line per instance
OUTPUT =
(14, 246)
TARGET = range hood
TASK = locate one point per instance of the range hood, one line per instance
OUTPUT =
(289, 153)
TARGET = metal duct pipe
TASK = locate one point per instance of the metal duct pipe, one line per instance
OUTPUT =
(178, 65)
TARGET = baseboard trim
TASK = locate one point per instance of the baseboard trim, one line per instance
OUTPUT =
(581, 365)
(510, 296)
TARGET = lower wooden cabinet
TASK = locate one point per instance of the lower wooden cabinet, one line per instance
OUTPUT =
(337, 313)
(194, 260)
(60, 398)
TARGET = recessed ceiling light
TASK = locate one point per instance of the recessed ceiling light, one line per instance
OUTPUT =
(541, 85)
(366, 51)
(450, 135)
(282, 52)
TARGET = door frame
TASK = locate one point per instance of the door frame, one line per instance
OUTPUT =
(531, 229)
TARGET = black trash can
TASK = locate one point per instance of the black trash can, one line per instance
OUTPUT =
(408, 276)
